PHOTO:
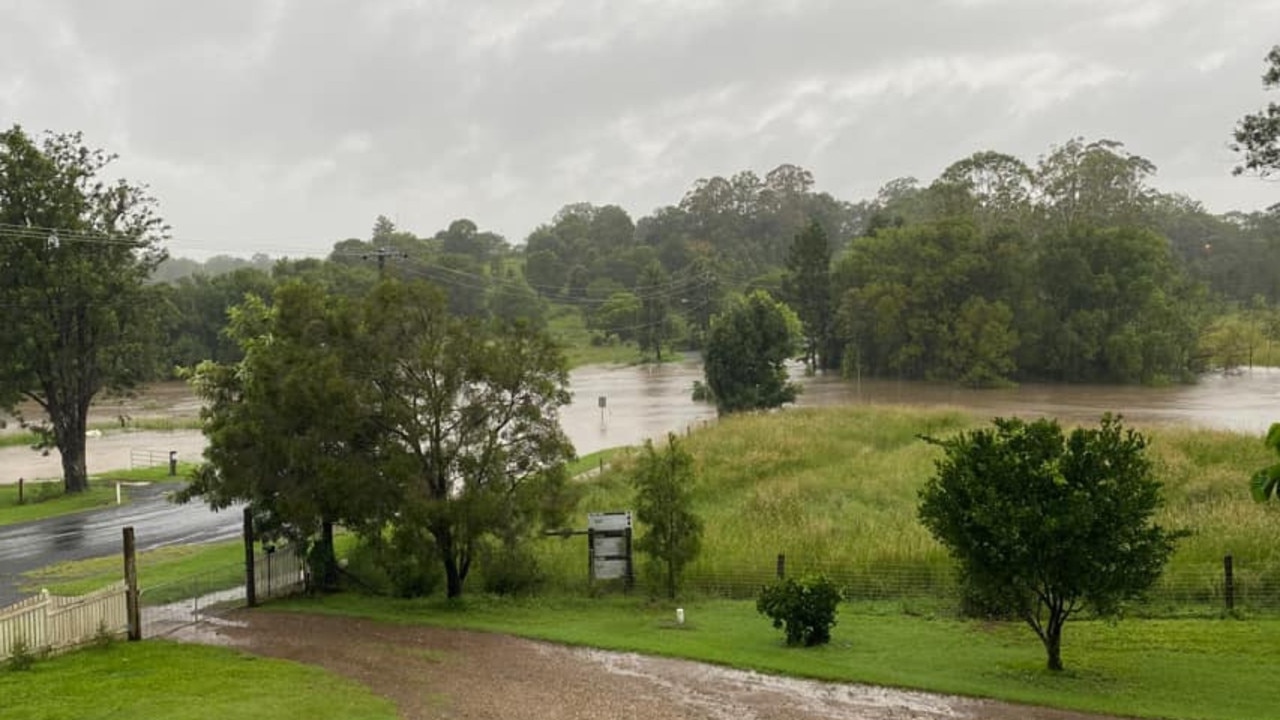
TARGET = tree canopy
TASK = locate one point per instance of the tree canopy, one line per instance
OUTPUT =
(1045, 525)
(76, 251)
(1257, 135)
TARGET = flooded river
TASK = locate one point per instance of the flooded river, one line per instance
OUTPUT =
(647, 401)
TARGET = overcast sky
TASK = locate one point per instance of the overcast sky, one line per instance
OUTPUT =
(281, 126)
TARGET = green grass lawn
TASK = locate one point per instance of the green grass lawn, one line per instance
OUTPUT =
(1204, 669)
(45, 498)
(566, 325)
(169, 681)
(596, 460)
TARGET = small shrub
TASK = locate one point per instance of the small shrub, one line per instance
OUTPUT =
(804, 610)
(21, 657)
(103, 637)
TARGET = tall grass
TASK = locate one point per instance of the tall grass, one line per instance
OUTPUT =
(835, 489)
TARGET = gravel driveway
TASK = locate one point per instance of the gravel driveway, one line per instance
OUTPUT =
(436, 673)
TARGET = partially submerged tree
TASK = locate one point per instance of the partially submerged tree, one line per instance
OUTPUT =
(664, 507)
(746, 354)
(76, 317)
(808, 291)
(1043, 525)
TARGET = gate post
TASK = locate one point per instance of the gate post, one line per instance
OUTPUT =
(132, 609)
(250, 590)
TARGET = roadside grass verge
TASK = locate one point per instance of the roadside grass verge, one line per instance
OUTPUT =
(45, 498)
(159, 679)
(165, 574)
(1204, 669)
(596, 460)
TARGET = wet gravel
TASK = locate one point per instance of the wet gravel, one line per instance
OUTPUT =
(437, 673)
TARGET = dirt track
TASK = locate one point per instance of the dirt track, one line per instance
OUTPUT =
(434, 673)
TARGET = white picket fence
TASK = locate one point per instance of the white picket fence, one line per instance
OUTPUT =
(54, 622)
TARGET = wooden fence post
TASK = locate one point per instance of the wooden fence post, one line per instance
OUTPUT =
(1228, 582)
(21, 482)
(782, 566)
(132, 609)
(250, 589)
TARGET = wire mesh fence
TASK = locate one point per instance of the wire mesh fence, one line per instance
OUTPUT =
(1202, 590)
(170, 606)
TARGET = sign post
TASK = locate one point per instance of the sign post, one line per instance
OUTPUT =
(609, 546)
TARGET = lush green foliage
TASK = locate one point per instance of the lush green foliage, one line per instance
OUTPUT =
(159, 679)
(75, 252)
(805, 610)
(1258, 135)
(386, 413)
(747, 348)
(1266, 482)
(1044, 525)
(664, 484)
(1136, 669)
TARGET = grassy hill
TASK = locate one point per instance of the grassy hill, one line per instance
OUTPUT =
(834, 489)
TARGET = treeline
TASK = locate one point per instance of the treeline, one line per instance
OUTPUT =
(1073, 268)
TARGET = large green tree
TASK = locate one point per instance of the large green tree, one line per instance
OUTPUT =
(808, 291)
(468, 412)
(289, 427)
(1045, 525)
(746, 354)
(76, 317)
(387, 413)
(1257, 135)
(664, 508)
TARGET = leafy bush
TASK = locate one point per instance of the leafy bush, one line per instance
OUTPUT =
(403, 564)
(510, 570)
(805, 610)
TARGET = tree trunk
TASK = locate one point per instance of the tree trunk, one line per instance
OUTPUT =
(1053, 643)
(69, 437)
(453, 573)
(671, 580)
(329, 573)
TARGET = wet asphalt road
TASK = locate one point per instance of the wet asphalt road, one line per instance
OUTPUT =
(156, 522)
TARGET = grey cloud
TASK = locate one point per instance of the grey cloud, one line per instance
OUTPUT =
(302, 120)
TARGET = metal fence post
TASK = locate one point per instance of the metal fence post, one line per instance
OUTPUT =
(1228, 582)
